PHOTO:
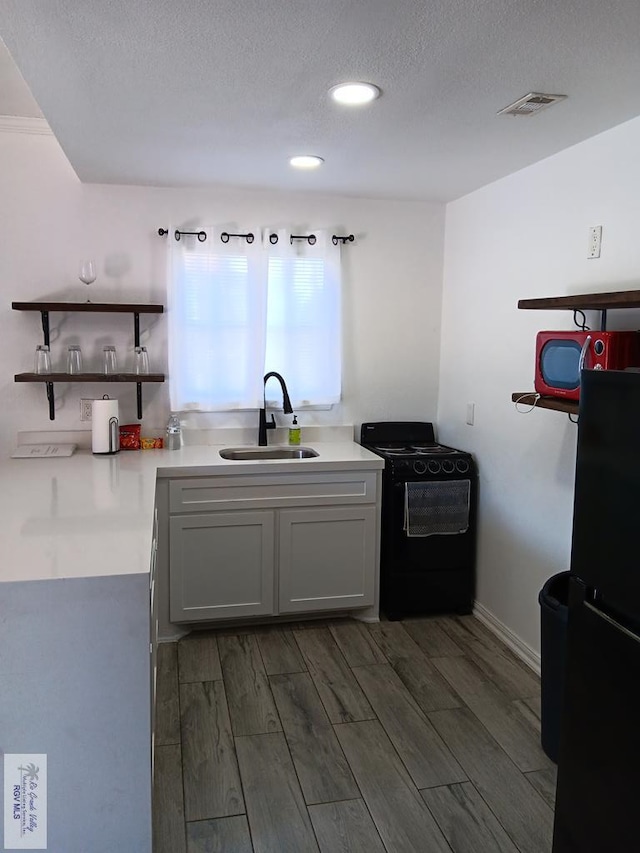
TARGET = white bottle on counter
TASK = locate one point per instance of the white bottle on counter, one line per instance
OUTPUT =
(173, 440)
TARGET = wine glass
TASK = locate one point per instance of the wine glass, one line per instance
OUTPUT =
(87, 273)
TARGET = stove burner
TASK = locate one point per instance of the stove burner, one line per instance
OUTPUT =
(395, 451)
(415, 450)
(428, 449)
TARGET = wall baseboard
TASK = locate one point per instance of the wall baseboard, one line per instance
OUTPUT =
(509, 638)
(172, 638)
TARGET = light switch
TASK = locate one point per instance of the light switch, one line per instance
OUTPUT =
(471, 407)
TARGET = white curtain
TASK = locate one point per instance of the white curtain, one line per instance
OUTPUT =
(238, 310)
(217, 322)
(303, 319)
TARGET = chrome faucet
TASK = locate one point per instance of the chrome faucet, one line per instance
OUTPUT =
(263, 424)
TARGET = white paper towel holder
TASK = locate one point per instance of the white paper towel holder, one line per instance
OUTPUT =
(105, 438)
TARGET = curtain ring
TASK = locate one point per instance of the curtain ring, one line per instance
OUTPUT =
(249, 237)
(177, 235)
(224, 237)
(273, 239)
(201, 236)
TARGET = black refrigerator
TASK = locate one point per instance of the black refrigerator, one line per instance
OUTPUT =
(598, 793)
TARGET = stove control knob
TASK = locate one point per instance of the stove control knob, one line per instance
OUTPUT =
(462, 466)
(433, 466)
(448, 467)
(420, 466)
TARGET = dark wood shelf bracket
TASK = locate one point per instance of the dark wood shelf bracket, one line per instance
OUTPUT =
(45, 327)
(52, 402)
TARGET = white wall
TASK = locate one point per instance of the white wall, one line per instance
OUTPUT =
(49, 221)
(526, 236)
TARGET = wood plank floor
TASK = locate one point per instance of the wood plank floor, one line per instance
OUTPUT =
(406, 737)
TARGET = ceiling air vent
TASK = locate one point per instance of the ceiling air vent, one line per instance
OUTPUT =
(530, 104)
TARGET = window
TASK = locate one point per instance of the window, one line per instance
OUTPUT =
(238, 310)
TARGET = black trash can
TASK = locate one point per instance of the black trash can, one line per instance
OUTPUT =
(554, 614)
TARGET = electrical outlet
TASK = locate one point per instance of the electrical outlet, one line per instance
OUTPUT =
(85, 410)
(595, 241)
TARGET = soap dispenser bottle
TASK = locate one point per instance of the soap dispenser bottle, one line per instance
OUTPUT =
(294, 432)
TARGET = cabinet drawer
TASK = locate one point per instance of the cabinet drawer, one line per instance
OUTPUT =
(258, 492)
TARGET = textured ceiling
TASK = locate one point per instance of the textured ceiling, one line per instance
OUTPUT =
(190, 92)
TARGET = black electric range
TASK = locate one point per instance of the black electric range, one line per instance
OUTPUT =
(428, 530)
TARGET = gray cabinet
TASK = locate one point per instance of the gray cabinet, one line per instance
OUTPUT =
(153, 630)
(259, 545)
(221, 565)
(326, 558)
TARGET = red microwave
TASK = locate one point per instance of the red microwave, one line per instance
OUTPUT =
(560, 356)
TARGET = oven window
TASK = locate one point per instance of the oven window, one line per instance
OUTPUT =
(559, 361)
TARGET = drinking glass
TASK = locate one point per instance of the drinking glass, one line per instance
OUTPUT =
(87, 273)
(141, 361)
(43, 360)
(74, 360)
(109, 360)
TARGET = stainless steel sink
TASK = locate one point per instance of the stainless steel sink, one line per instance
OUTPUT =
(248, 453)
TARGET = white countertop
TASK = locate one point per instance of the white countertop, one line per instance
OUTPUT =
(90, 516)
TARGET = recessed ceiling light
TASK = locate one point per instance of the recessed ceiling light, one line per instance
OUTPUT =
(306, 161)
(354, 94)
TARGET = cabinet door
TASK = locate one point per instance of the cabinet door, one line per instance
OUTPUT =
(327, 558)
(221, 565)
(153, 638)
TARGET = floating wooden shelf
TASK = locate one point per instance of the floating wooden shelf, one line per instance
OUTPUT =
(45, 308)
(588, 301)
(528, 398)
(89, 377)
(581, 301)
(91, 307)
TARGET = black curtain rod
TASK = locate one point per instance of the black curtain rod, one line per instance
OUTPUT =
(249, 237)
(201, 235)
(178, 234)
(311, 238)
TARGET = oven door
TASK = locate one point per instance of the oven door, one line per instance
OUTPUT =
(424, 574)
